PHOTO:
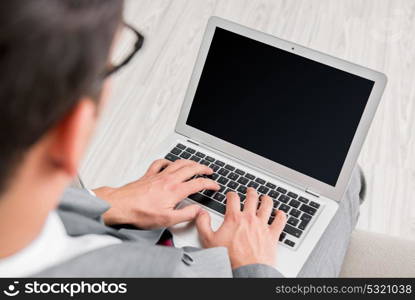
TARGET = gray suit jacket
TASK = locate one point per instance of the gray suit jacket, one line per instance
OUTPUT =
(137, 255)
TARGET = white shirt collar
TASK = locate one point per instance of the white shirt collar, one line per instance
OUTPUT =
(51, 247)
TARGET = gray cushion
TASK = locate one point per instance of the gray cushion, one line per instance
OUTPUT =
(379, 255)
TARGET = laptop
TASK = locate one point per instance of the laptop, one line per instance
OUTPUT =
(287, 120)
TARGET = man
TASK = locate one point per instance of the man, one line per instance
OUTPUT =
(56, 63)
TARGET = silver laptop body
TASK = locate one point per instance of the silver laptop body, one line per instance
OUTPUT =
(307, 93)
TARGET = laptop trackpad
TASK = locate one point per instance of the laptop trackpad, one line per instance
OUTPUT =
(185, 234)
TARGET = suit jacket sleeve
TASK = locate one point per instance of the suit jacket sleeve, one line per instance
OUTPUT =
(256, 271)
(138, 255)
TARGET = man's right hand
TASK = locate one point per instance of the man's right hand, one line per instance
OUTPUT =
(150, 201)
(246, 234)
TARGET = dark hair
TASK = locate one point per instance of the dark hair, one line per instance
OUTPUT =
(52, 52)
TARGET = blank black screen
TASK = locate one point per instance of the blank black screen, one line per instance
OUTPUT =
(290, 109)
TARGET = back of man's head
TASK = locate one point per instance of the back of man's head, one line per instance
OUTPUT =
(52, 53)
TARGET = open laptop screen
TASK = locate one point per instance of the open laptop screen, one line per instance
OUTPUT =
(292, 110)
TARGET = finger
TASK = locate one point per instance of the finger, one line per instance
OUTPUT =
(251, 202)
(197, 185)
(180, 163)
(203, 226)
(187, 172)
(279, 222)
(265, 209)
(233, 205)
(187, 213)
(157, 166)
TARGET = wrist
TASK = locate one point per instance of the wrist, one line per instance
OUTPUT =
(113, 215)
(111, 218)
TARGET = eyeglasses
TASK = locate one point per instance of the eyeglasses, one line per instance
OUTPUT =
(129, 42)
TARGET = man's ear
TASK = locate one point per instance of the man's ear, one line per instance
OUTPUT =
(71, 135)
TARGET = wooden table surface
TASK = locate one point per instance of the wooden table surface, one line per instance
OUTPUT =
(378, 34)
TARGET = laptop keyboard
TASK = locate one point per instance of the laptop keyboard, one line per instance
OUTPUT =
(300, 210)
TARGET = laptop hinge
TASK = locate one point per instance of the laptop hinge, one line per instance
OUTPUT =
(312, 193)
(194, 143)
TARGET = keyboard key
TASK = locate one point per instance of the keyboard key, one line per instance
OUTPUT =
(292, 195)
(293, 221)
(242, 197)
(181, 146)
(190, 150)
(270, 220)
(253, 184)
(223, 172)
(209, 193)
(223, 180)
(232, 185)
(176, 151)
(205, 162)
(273, 194)
(303, 225)
(276, 203)
(199, 198)
(221, 189)
(295, 213)
(204, 200)
(263, 189)
(284, 208)
(185, 155)
(304, 200)
(240, 172)
(229, 190)
(314, 204)
(282, 236)
(305, 217)
(214, 176)
(250, 176)
(214, 167)
(281, 190)
(243, 180)
(233, 176)
(216, 206)
(220, 163)
(200, 154)
(289, 243)
(271, 186)
(230, 168)
(171, 157)
(295, 203)
(242, 189)
(195, 158)
(292, 230)
(308, 209)
(260, 181)
(219, 197)
(284, 198)
(209, 158)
